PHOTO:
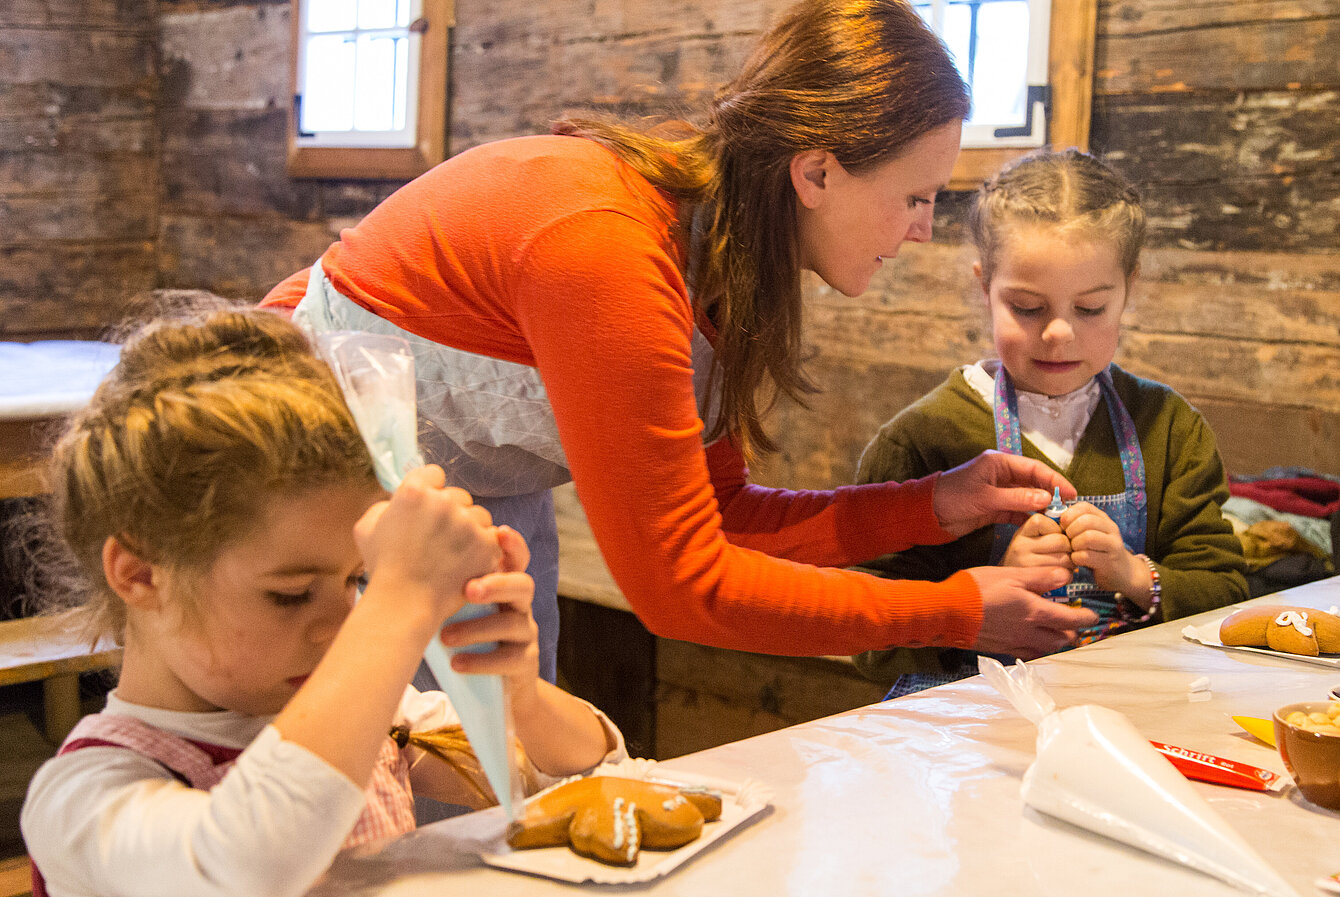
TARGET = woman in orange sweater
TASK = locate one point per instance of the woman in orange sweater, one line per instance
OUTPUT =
(612, 306)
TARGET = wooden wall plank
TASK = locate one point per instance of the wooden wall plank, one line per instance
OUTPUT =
(54, 100)
(87, 133)
(1249, 54)
(60, 174)
(235, 57)
(48, 290)
(1312, 436)
(1209, 136)
(102, 14)
(77, 57)
(241, 258)
(652, 75)
(490, 23)
(231, 162)
(1126, 17)
(80, 217)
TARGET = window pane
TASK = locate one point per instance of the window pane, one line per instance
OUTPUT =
(328, 85)
(401, 83)
(377, 13)
(376, 92)
(1000, 71)
(330, 15)
(957, 34)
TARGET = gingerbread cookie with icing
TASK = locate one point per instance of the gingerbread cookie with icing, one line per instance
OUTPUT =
(1292, 630)
(610, 818)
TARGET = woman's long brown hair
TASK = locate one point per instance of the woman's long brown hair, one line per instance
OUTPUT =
(861, 79)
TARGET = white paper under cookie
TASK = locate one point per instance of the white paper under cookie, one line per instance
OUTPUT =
(1208, 634)
(740, 803)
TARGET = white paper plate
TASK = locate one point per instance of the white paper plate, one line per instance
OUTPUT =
(740, 803)
(1208, 634)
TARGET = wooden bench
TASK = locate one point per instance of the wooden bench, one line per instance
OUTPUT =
(50, 650)
(15, 877)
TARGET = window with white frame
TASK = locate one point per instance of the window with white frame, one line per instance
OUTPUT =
(354, 61)
(1001, 49)
(369, 94)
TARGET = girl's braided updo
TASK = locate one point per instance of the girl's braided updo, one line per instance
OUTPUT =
(1069, 190)
(206, 417)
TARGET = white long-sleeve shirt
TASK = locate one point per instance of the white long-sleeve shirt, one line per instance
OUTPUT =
(108, 821)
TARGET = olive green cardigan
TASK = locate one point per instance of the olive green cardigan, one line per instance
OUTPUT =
(1198, 556)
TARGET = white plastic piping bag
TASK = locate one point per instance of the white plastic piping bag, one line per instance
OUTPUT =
(1096, 771)
(376, 373)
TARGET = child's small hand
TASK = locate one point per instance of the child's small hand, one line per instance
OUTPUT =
(512, 627)
(1040, 542)
(1095, 542)
(430, 536)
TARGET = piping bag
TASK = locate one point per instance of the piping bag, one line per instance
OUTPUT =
(376, 373)
(1096, 771)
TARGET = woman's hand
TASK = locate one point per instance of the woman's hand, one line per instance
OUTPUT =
(994, 487)
(1040, 542)
(428, 539)
(1096, 543)
(511, 590)
(1016, 620)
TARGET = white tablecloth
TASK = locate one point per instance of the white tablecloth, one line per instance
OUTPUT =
(50, 377)
(920, 796)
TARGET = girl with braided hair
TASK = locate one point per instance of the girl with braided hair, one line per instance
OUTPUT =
(219, 511)
(1058, 238)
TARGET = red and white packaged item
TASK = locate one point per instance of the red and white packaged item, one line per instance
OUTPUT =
(1220, 771)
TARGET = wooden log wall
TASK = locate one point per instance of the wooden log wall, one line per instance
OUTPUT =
(145, 141)
(79, 162)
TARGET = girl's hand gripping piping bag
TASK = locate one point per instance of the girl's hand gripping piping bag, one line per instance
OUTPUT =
(376, 373)
(1096, 771)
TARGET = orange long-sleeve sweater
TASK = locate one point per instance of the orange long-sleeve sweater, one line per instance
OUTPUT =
(548, 252)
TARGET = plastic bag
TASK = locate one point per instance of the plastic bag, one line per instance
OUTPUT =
(1096, 771)
(376, 374)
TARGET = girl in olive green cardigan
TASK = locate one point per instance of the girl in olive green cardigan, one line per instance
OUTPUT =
(1058, 237)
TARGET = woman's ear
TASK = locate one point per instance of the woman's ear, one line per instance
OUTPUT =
(130, 576)
(809, 176)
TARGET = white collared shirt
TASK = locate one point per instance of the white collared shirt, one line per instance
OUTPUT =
(1052, 423)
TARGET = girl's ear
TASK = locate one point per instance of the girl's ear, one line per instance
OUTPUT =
(809, 176)
(977, 272)
(130, 576)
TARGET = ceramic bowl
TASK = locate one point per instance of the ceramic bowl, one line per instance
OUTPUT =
(1312, 758)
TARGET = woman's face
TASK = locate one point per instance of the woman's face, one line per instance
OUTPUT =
(1056, 300)
(848, 224)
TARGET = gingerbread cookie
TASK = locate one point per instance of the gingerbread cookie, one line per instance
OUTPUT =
(610, 818)
(1292, 630)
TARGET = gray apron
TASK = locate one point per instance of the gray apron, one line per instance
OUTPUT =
(488, 423)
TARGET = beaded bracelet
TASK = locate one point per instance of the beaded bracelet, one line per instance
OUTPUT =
(1128, 608)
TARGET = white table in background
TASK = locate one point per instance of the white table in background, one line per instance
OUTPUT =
(40, 382)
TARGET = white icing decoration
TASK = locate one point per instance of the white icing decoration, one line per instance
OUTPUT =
(671, 804)
(1296, 619)
(618, 823)
(634, 837)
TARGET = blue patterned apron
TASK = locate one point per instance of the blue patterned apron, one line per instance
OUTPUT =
(1127, 509)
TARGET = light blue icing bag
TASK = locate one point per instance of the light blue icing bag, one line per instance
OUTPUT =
(376, 374)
